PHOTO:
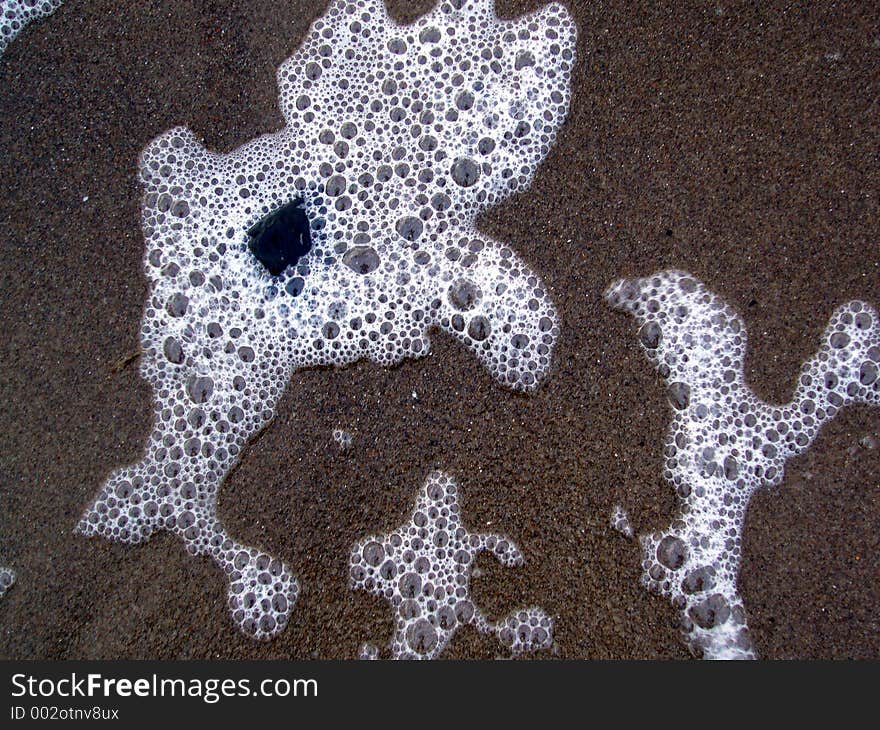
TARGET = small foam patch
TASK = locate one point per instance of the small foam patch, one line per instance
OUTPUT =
(397, 138)
(423, 570)
(724, 443)
(620, 521)
(342, 438)
(7, 579)
(16, 14)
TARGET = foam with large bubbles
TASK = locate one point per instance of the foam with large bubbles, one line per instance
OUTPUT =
(397, 137)
(16, 14)
(423, 570)
(724, 443)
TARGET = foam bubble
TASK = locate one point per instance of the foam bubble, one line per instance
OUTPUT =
(16, 14)
(724, 443)
(397, 137)
(423, 569)
(7, 579)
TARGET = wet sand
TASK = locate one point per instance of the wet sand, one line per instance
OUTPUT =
(739, 143)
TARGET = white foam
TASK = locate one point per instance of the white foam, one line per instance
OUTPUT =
(7, 579)
(342, 438)
(397, 137)
(16, 14)
(423, 569)
(620, 521)
(724, 443)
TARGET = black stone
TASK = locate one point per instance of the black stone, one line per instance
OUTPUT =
(281, 238)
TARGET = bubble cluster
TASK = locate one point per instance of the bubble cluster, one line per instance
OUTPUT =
(397, 137)
(620, 521)
(724, 443)
(7, 579)
(342, 438)
(423, 570)
(16, 14)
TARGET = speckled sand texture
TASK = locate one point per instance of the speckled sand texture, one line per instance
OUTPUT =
(739, 142)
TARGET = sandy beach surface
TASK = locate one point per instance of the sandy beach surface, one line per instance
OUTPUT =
(738, 141)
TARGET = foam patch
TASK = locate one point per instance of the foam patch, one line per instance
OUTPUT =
(620, 521)
(423, 570)
(342, 438)
(16, 14)
(397, 137)
(724, 443)
(7, 579)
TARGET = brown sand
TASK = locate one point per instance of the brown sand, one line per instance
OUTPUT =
(741, 145)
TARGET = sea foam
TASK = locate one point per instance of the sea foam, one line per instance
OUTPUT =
(7, 579)
(16, 14)
(724, 443)
(396, 138)
(423, 570)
